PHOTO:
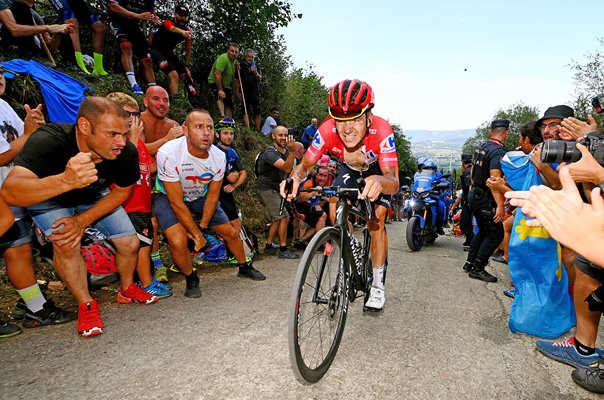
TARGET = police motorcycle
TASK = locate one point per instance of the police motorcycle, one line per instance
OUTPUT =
(422, 207)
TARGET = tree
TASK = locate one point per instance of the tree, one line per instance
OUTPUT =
(518, 114)
(407, 164)
(589, 80)
(305, 97)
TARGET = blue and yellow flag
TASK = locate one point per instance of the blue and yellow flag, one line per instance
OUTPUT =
(542, 306)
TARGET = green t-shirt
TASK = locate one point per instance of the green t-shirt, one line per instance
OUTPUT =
(227, 67)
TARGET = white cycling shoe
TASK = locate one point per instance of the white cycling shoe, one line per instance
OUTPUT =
(377, 298)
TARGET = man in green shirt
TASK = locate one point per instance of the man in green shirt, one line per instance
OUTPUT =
(221, 80)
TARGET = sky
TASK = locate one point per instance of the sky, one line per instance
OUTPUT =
(415, 54)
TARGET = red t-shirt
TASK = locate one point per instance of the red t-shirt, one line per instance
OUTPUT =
(379, 145)
(140, 199)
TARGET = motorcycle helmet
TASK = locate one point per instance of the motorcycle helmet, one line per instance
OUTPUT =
(421, 161)
(430, 164)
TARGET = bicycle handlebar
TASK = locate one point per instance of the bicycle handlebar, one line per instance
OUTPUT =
(340, 192)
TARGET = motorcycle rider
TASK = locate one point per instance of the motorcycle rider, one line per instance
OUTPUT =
(426, 179)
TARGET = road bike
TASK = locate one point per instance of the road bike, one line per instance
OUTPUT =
(334, 270)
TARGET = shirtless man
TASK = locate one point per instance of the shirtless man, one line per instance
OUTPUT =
(158, 130)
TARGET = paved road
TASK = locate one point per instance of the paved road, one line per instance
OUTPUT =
(442, 336)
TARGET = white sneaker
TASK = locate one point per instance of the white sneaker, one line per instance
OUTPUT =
(377, 298)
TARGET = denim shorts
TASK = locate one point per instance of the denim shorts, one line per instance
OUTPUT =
(17, 235)
(114, 225)
(167, 218)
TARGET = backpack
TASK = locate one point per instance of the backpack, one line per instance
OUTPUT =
(257, 171)
(250, 242)
(98, 253)
(99, 258)
(215, 249)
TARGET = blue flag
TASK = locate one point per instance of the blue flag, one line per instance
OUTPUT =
(542, 306)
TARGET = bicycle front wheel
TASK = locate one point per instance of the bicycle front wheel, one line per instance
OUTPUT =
(318, 307)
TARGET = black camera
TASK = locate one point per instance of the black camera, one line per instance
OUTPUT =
(557, 151)
(597, 103)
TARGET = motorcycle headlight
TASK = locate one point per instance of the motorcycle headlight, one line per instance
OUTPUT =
(411, 203)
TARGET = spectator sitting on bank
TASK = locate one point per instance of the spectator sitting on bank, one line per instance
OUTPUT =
(22, 27)
(66, 169)
(15, 241)
(190, 171)
(271, 122)
(76, 12)
(222, 79)
(311, 206)
(309, 133)
(125, 17)
(138, 205)
(274, 165)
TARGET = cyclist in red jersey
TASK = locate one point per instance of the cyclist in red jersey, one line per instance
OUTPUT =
(364, 143)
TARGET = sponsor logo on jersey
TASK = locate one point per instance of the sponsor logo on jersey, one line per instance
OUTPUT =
(317, 141)
(390, 159)
(336, 150)
(371, 157)
(387, 145)
(372, 131)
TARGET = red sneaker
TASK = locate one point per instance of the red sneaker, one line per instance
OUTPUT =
(134, 294)
(89, 319)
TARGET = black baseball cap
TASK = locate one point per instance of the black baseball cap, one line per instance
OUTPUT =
(500, 123)
(182, 9)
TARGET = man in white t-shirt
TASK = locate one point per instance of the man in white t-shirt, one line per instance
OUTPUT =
(189, 176)
(270, 123)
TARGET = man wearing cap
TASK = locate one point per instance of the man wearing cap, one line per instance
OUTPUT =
(465, 222)
(486, 205)
(164, 41)
(550, 126)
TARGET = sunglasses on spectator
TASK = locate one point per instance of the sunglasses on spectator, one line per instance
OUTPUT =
(134, 113)
(550, 125)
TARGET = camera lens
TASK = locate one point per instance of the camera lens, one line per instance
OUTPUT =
(557, 151)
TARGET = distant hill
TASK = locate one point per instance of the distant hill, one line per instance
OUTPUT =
(438, 139)
(443, 146)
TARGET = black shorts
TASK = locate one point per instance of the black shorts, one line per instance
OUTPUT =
(228, 93)
(227, 202)
(167, 61)
(253, 106)
(143, 227)
(590, 269)
(128, 32)
(347, 177)
(311, 215)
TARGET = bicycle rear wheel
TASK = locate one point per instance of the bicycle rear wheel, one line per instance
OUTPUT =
(318, 307)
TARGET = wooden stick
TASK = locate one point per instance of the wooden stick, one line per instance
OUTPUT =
(247, 118)
(44, 46)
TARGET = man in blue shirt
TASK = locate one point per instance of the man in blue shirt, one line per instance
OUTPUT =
(309, 133)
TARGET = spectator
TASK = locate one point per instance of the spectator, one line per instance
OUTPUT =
(311, 206)
(332, 167)
(125, 15)
(271, 122)
(158, 129)
(579, 226)
(66, 169)
(486, 205)
(164, 41)
(138, 205)
(234, 176)
(15, 243)
(298, 153)
(74, 12)
(273, 166)
(250, 83)
(221, 79)
(309, 133)
(6, 220)
(465, 222)
(189, 177)
(22, 27)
